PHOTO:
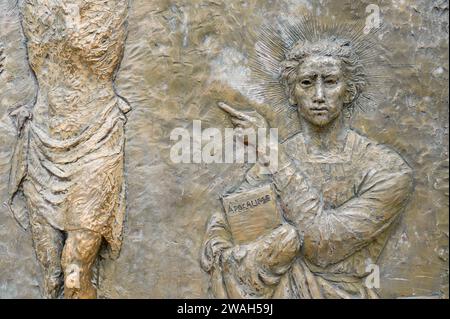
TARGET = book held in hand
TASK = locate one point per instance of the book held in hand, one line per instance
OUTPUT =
(251, 213)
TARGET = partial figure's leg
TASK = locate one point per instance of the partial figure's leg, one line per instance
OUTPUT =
(48, 244)
(78, 258)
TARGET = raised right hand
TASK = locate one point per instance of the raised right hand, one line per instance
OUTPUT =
(244, 120)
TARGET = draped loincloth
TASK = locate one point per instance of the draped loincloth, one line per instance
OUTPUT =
(77, 183)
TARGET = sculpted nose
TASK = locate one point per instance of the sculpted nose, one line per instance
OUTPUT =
(319, 96)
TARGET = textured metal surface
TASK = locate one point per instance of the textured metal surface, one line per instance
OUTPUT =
(181, 57)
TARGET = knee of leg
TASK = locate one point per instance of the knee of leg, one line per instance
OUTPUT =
(88, 243)
(72, 274)
(81, 246)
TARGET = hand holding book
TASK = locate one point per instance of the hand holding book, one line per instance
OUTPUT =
(252, 213)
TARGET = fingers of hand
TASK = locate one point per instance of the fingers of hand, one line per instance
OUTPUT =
(14, 113)
(20, 116)
(233, 112)
(240, 123)
(15, 118)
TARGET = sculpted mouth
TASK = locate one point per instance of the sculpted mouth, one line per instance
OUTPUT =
(319, 109)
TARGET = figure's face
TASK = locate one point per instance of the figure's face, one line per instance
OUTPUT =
(320, 90)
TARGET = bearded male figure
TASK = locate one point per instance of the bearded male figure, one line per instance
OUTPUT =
(68, 159)
(339, 192)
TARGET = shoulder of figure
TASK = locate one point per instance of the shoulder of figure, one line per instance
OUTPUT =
(381, 155)
(292, 144)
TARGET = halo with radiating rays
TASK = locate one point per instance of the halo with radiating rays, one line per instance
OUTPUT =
(273, 42)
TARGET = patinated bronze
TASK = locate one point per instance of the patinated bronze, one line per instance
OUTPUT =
(339, 192)
(68, 159)
(350, 96)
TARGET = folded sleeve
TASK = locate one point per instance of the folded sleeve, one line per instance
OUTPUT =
(217, 239)
(331, 235)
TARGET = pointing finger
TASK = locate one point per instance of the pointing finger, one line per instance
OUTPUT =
(233, 112)
(241, 123)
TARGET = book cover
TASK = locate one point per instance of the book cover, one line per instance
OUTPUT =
(251, 213)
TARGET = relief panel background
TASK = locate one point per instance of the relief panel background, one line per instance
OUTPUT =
(182, 57)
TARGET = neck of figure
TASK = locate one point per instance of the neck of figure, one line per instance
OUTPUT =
(325, 139)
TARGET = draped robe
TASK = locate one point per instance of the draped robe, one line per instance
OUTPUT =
(338, 211)
(68, 160)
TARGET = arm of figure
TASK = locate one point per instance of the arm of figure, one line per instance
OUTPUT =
(247, 270)
(217, 240)
(331, 235)
(252, 269)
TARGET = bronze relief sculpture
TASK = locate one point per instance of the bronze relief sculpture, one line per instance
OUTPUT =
(181, 58)
(339, 193)
(68, 159)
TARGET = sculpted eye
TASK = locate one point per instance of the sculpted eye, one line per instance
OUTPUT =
(331, 81)
(306, 82)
